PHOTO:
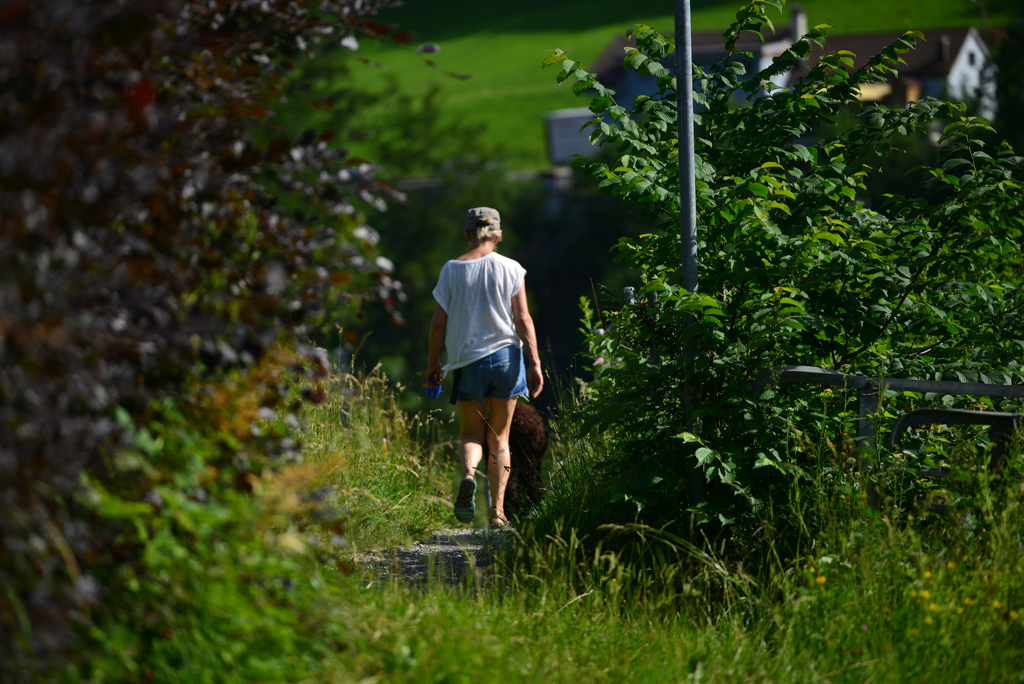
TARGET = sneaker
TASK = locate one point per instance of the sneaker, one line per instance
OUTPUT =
(465, 508)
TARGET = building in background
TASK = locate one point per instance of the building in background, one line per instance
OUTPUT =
(950, 62)
(564, 136)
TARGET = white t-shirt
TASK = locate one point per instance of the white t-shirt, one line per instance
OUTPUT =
(477, 296)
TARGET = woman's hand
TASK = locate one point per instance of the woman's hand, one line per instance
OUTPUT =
(433, 371)
(534, 380)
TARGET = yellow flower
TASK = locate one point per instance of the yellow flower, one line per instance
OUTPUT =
(928, 620)
(997, 605)
(614, 580)
(925, 594)
(969, 602)
(820, 579)
(1014, 615)
(913, 594)
(913, 631)
(812, 571)
(927, 574)
(959, 611)
(934, 607)
(951, 565)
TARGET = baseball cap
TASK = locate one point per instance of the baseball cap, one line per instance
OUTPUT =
(482, 215)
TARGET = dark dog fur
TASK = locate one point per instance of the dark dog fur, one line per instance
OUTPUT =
(527, 441)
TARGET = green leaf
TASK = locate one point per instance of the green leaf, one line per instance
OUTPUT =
(687, 437)
(704, 455)
(555, 58)
(802, 153)
(758, 189)
(835, 239)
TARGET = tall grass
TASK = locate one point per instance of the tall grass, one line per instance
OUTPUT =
(868, 595)
(889, 607)
(389, 469)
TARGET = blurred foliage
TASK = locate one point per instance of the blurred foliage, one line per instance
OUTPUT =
(793, 269)
(1009, 61)
(200, 578)
(159, 234)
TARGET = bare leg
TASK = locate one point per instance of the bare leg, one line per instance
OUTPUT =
(499, 422)
(472, 429)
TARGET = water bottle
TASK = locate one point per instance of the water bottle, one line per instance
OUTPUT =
(434, 388)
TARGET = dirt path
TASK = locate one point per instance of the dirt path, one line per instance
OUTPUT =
(446, 556)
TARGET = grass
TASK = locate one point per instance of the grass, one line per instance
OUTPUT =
(386, 467)
(500, 45)
(871, 596)
(875, 618)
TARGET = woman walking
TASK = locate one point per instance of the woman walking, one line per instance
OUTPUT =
(482, 318)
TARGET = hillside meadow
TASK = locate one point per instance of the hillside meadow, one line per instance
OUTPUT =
(499, 46)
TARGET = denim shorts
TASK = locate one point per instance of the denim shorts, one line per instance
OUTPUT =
(501, 375)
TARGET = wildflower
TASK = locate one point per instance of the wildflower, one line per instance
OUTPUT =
(927, 574)
(820, 579)
(812, 571)
(951, 565)
(928, 620)
(913, 631)
(1014, 615)
(614, 580)
(925, 594)
(959, 611)
(997, 605)
(913, 593)
(969, 602)
(863, 628)
(934, 607)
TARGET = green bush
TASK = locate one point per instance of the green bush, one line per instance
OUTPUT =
(793, 270)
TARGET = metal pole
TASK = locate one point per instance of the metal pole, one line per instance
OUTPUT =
(687, 187)
(687, 206)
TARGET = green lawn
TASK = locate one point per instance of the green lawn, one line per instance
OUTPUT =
(501, 43)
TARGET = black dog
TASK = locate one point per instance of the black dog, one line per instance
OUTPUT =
(527, 442)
